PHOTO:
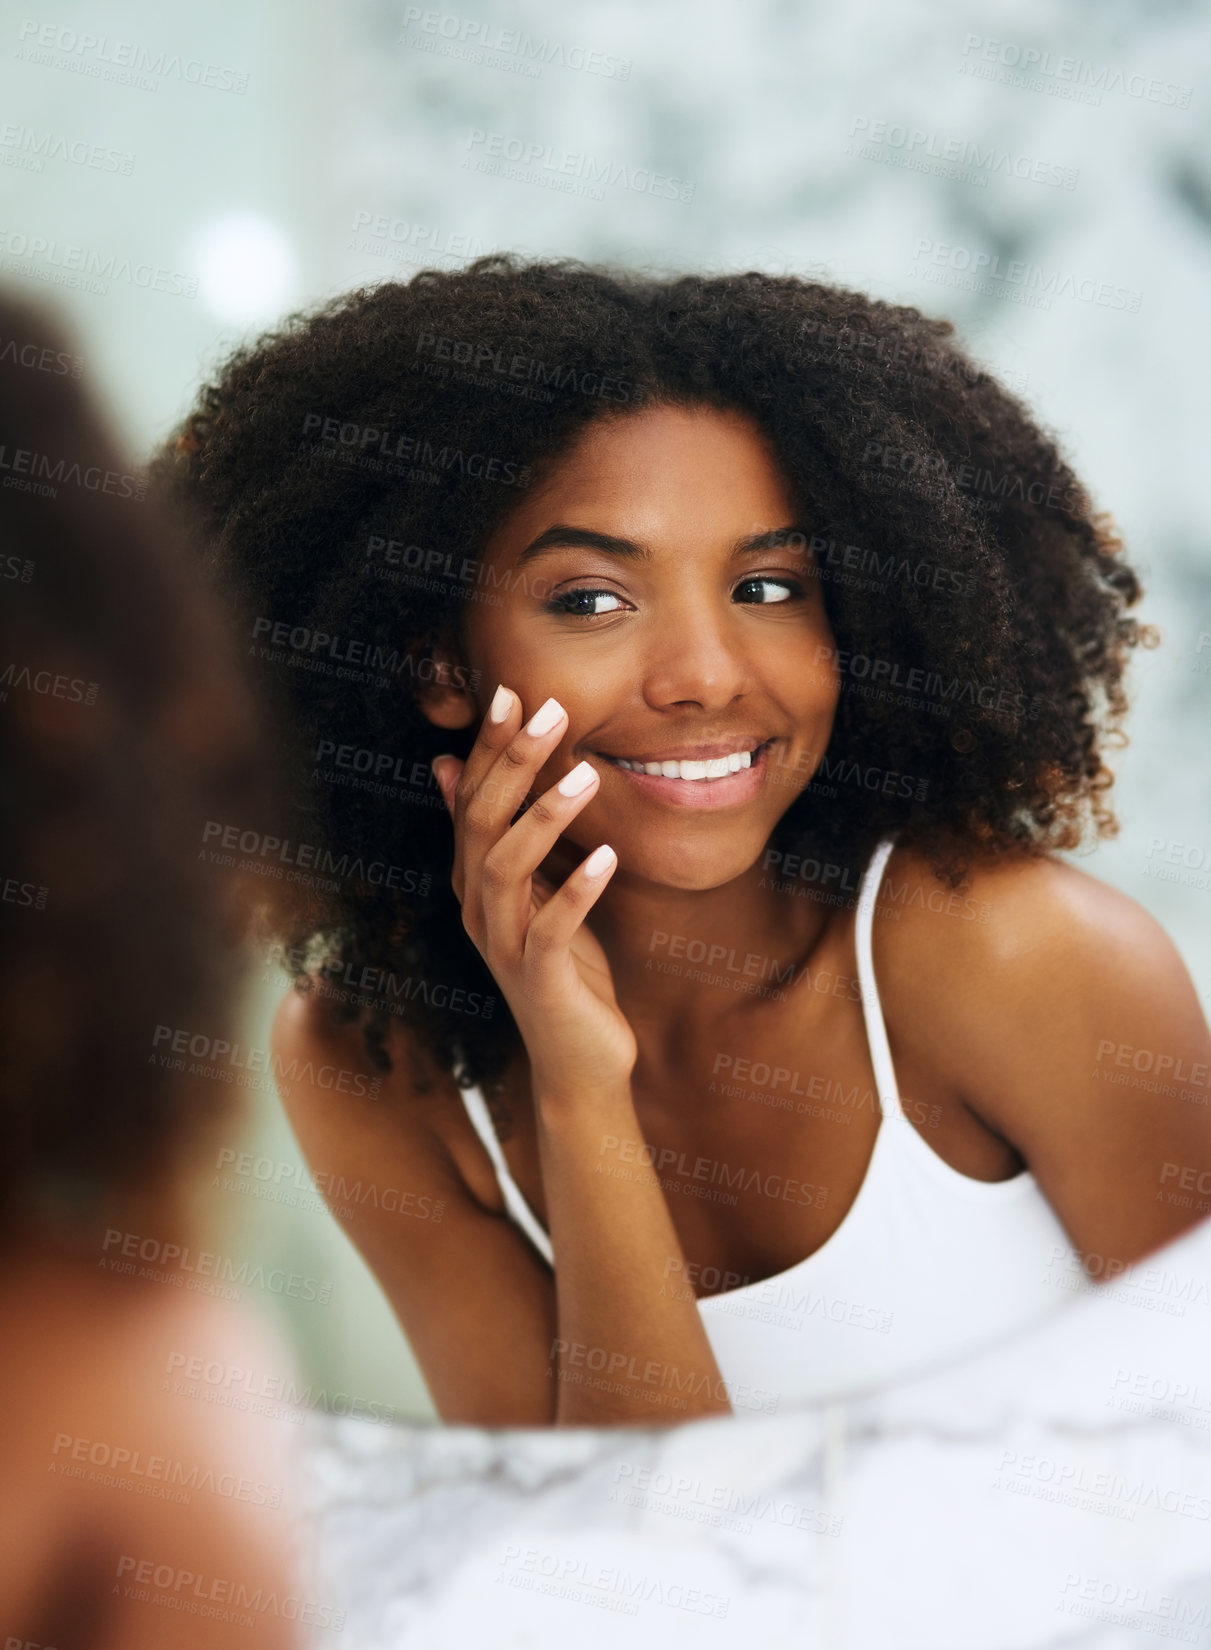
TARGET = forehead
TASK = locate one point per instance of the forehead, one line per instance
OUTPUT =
(715, 468)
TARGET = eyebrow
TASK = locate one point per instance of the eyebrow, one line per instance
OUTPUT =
(584, 538)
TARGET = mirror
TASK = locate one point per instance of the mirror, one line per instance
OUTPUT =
(879, 1038)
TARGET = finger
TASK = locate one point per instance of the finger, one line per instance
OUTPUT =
(446, 769)
(509, 868)
(551, 932)
(457, 780)
(485, 805)
(501, 723)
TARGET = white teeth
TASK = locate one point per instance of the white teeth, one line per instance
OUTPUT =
(716, 767)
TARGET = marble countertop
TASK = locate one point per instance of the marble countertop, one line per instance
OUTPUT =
(1053, 1491)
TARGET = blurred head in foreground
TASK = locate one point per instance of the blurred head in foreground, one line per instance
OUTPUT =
(124, 726)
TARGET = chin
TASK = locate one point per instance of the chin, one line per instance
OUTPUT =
(683, 869)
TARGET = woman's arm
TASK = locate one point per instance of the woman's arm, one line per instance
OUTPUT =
(629, 1349)
(621, 1339)
(1069, 1024)
(498, 1342)
(466, 1286)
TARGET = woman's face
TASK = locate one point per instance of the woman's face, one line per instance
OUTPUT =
(658, 584)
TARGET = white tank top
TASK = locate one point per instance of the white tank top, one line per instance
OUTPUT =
(928, 1264)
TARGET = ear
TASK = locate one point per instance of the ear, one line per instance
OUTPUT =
(446, 700)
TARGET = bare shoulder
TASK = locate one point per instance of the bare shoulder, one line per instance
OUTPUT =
(341, 1105)
(1014, 912)
(1060, 1013)
(316, 1054)
(408, 1179)
(1029, 982)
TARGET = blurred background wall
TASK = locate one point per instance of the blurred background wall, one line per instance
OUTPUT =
(176, 178)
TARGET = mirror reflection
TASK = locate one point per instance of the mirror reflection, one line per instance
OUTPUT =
(697, 694)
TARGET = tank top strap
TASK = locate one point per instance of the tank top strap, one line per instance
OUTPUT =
(872, 1011)
(481, 1120)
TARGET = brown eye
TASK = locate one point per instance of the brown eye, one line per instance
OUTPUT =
(564, 602)
(792, 585)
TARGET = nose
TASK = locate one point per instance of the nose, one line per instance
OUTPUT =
(698, 656)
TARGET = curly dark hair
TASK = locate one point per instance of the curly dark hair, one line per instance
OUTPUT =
(963, 571)
(125, 723)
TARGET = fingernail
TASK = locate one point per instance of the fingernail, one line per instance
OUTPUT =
(579, 779)
(544, 718)
(501, 702)
(433, 766)
(599, 861)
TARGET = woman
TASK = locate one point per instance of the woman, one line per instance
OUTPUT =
(711, 1131)
(133, 1512)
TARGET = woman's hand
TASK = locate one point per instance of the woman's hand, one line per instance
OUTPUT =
(551, 969)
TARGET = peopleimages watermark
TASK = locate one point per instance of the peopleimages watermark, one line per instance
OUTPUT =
(990, 489)
(585, 1581)
(32, 895)
(221, 1060)
(1163, 1069)
(348, 658)
(1165, 1397)
(721, 1505)
(927, 689)
(33, 472)
(1190, 1188)
(1075, 78)
(281, 1181)
(374, 444)
(451, 573)
(203, 1270)
(484, 360)
(493, 46)
(44, 259)
(101, 57)
(567, 169)
(378, 773)
(784, 869)
(1134, 1606)
(712, 1171)
(1017, 279)
(963, 159)
(404, 240)
(1113, 1494)
(1171, 859)
(871, 570)
(216, 1598)
(847, 346)
(277, 1397)
(123, 1466)
(1153, 1288)
(20, 569)
(823, 773)
(305, 862)
(48, 684)
(23, 352)
(380, 989)
(29, 149)
(657, 1380)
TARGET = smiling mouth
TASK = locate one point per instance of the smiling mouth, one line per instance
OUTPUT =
(712, 768)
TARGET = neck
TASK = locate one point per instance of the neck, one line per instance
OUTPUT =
(685, 960)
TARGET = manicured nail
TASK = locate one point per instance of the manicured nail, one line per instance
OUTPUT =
(501, 703)
(544, 718)
(599, 861)
(580, 778)
(433, 767)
